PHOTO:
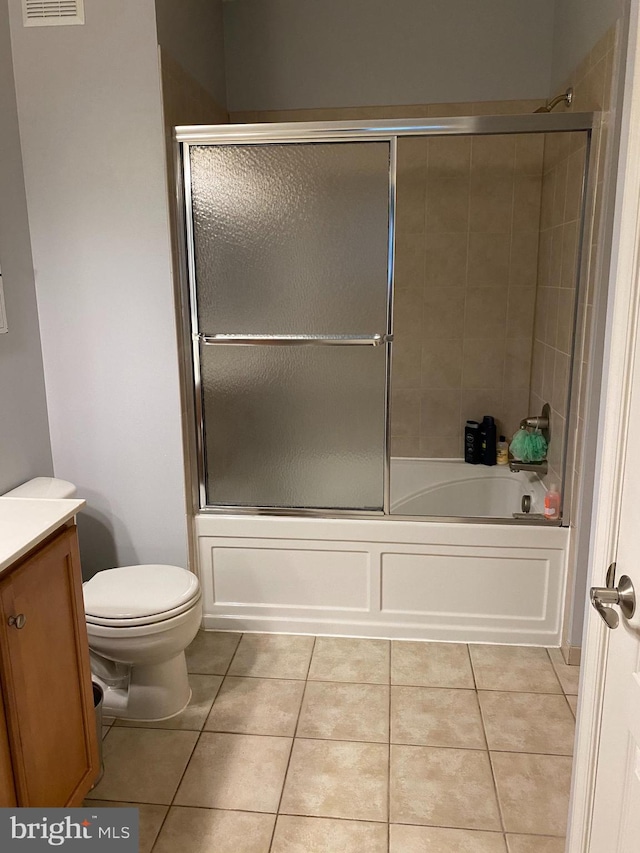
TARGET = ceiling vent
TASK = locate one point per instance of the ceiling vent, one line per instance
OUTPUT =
(52, 13)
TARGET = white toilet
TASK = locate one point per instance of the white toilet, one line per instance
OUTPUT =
(140, 619)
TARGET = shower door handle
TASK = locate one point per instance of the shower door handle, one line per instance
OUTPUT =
(376, 340)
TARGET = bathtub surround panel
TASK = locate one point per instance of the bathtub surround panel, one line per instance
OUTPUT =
(466, 248)
(401, 580)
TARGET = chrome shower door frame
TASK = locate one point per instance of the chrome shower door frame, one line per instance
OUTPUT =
(339, 131)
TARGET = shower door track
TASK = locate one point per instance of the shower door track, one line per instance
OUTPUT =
(331, 131)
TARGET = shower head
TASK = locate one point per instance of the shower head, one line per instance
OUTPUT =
(567, 97)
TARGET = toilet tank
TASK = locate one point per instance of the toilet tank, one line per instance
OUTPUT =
(43, 487)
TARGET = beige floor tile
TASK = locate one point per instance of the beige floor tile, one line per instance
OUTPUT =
(128, 756)
(211, 652)
(419, 839)
(431, 664)
(345, 712)
(342, 659)
(229, 771)
(573, 703)
(533, 791)
(518, 668)
(108, 721)
(204, 689)
(150, 819)
(569, 675)
(105, 731)
(214, 831)
(435, 716)
(442, 787)
(527, 722)
(258, 706)
(273, 656)
(337, 779)
(534, 844)
(323, 835)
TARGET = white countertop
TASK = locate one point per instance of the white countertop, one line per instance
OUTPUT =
(26, 521)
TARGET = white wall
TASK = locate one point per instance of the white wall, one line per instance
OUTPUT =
(25, 450)
(93, 147)
(192, 32)
(578, 24)
(294, 54)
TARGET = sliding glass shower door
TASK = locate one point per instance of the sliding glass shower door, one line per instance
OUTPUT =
(290, 285)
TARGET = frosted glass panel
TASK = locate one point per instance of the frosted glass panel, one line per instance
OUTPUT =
(294, 426)
(291, 239)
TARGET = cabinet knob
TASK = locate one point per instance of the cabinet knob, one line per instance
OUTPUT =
(17, 621)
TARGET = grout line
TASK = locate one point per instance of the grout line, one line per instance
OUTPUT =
(293, 741)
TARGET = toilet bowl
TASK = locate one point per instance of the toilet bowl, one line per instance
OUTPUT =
(140, 619)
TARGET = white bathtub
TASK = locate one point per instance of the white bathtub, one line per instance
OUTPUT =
(394, 578)
(450, 487)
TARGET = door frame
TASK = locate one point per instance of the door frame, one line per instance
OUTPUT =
(620, 344)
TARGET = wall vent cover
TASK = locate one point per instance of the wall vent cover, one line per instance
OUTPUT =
(52, 13)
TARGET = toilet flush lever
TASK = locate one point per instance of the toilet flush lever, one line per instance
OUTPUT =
(623, 595)
(17, 621)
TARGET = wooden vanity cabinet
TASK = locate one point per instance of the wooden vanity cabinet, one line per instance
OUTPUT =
(48, 734)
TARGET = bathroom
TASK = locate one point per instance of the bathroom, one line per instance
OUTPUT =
(513, 313)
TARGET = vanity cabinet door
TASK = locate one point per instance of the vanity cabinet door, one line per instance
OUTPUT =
(46, 676)
(7, 787)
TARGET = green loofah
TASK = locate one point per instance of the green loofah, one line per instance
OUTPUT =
(528, 446)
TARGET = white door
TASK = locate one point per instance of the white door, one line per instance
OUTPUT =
(605, 813)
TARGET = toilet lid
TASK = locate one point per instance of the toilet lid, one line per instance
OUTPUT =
(132, 592)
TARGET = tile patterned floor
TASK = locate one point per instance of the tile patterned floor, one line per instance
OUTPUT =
(319, 745)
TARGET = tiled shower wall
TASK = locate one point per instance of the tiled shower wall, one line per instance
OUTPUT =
(468, 214)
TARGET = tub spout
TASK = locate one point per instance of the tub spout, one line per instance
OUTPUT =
(538, 467)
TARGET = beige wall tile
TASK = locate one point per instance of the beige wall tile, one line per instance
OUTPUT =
(517, 364)
(449, 157)
(443, 313)
(529, 153)
(527, 197)
(405, 413)
(486, 312)
(520, 312)
(489, 260)
(491, 203)
(445, 259)
(439, 413)
(483, 363)
(493, 155)
(442, 364)
(447, 208)
(440, 447)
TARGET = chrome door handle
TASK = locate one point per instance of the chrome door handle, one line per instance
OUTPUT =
(623, 595)
(17, 621)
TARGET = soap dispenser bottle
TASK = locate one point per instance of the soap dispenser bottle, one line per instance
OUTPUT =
(488, 441)
(552, 503)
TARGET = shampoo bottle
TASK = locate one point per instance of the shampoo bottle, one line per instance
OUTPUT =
(472, 442)
(552, 503)
(503, 451)
(488, 441)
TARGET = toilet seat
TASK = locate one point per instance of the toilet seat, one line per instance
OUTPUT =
(139, 595)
